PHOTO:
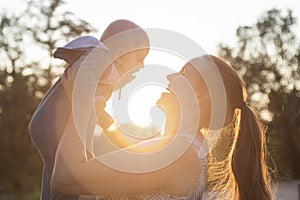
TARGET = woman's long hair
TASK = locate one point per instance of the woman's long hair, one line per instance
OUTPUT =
(243, 173)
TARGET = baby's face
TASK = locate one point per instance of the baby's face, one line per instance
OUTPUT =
(105, 90)
(132, 61)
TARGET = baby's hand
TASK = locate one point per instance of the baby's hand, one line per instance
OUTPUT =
(100, 103)
(104, 119)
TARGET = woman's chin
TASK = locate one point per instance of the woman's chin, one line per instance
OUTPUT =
(168, 103)
(163, 101)
(161, 105)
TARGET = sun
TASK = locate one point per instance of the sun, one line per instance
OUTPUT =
(142, 102)
(142, 108)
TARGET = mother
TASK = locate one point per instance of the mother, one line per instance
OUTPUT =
(243, 176)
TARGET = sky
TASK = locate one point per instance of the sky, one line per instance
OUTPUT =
(206, 22)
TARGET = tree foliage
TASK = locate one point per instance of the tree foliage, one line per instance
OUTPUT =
(267, 55)
(27, 69)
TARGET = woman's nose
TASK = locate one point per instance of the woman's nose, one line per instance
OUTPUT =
(171, 77)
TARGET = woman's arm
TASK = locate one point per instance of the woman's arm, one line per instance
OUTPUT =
(74, 175)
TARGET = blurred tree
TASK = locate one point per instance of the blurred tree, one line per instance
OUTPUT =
(267, 55)
(27, 41)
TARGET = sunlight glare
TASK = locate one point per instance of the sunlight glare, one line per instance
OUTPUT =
(139, 109)
(97, 130)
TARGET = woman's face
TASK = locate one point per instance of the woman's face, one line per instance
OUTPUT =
(170, 102)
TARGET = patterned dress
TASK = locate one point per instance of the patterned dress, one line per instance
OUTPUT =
(196, 193)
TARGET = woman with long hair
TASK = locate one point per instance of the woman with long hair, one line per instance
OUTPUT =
(175, 166)
(242, 172)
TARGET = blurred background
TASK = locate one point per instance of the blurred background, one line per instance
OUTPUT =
(265, 49)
